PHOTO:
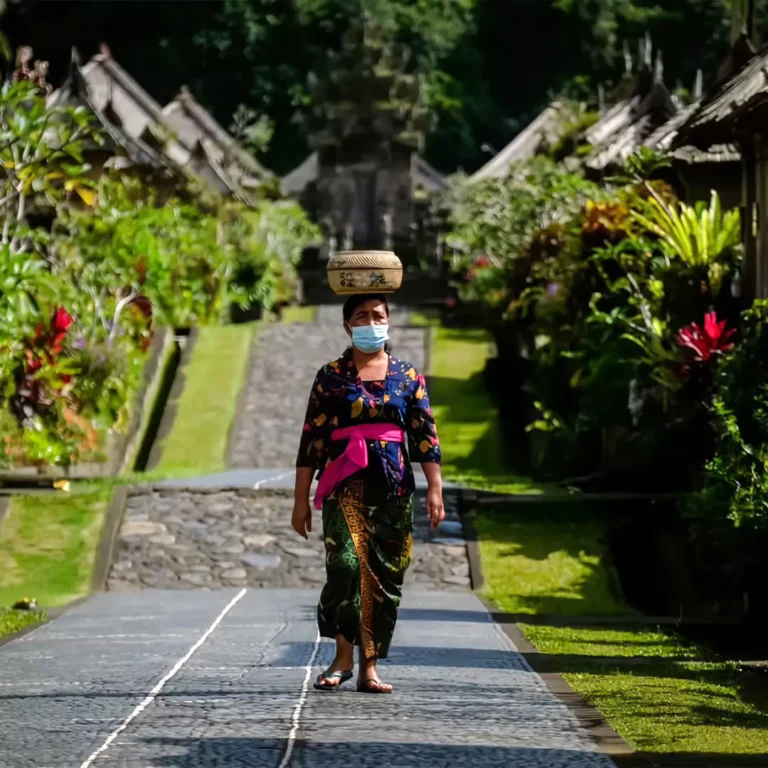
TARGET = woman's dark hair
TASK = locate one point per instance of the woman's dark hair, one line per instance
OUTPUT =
(354, 301)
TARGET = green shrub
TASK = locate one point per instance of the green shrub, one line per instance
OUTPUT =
(737, 476)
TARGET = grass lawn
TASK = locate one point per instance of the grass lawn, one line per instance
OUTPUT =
(654, 689)
(48, 546)
(206, 408)
(467, 419)
(13, 621)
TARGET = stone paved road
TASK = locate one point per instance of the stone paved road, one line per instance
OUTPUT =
(463, 695)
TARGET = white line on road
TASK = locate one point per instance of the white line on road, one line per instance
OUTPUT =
(300, 705)
(159, 687)
(271, 479)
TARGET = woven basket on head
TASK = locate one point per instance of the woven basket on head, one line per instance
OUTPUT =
(364, 272)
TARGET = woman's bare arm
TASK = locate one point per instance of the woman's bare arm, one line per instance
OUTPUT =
(302, 510)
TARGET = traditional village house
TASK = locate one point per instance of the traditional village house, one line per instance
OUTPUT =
(696, 171)
(197, 130)
(134, 121)
(624, 128)
(539, 136)
(733, 113)
(117, 148)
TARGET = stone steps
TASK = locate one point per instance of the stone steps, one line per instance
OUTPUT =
(196, 538)
(206, 534)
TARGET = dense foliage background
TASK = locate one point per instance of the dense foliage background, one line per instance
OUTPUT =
(486, 74)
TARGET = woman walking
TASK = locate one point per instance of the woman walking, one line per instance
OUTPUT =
(363, 409)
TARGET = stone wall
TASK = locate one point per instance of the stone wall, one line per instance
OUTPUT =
(231, 538)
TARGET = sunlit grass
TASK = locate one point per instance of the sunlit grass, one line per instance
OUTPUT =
(208, 403)
(654, 689)
(529, 571)
(48, 546)
(467, 420)
(14, 621)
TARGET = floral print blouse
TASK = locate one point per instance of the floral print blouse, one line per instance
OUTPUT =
(339, 399)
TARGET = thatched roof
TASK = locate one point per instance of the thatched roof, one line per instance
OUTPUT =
(294, 183)
(627, 125)
(135, 121)
(729, 108)
(75, 92)
(424, 177)
(195, 127)
(664, 137)
(545, 130)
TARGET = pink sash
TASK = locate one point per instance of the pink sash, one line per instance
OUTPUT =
(355, 456)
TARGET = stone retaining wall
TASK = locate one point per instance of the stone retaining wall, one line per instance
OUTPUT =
(230, 538)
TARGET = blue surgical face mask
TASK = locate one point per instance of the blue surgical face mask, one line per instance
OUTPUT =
(369, 338)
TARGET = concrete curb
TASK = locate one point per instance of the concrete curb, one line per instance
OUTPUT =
(241, 397)
(607, 741)
(51, 613)
(172, 403)
(470, 536)
(110, 533)
(144, 401)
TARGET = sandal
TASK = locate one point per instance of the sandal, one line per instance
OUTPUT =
(342, 677)
(373, 685)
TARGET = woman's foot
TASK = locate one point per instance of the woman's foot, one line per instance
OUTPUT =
(368, 680)
(341, 668)
(332, 678)
(372, 685)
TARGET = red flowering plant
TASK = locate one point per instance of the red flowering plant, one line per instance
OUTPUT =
(708, 342)
(44, 374)
(705, 346)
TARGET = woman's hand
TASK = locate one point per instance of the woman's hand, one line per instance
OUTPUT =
(435, 509)
(301, 520)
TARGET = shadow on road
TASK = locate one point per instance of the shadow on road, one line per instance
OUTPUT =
(255, 753)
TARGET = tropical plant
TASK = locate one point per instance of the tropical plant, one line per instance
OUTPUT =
(737, 476)
(699, 235)
(41, 152)
(86, 267)
(708, 342)
(503, 227)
